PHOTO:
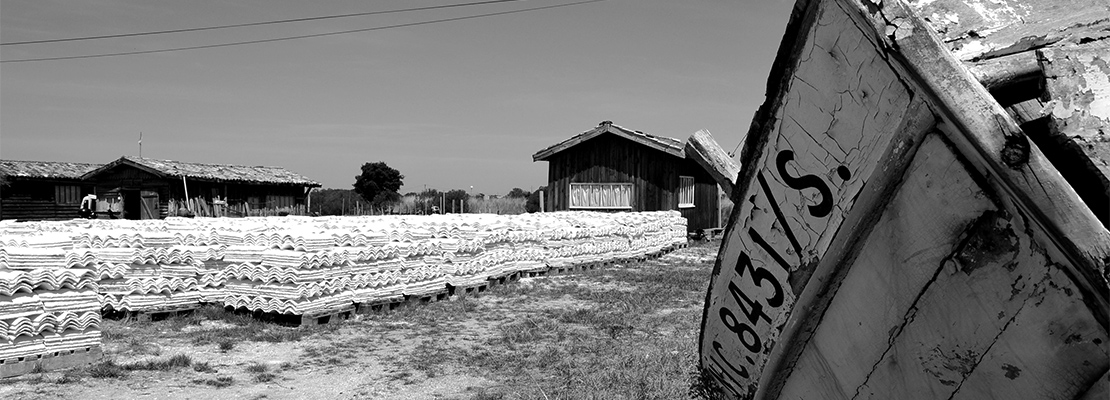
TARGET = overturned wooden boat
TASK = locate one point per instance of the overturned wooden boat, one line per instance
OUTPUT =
(921, 207)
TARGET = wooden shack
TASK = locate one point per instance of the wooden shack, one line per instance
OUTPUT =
(42, 190)
(611, 168)
(145, 188)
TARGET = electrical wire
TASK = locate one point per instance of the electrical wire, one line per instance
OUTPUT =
(281, 21)
(210, 46)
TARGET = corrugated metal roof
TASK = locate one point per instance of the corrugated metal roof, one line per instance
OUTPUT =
(662, 143)
(45, 169)
(214, 172)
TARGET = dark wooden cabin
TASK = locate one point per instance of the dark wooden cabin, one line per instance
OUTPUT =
(145, 188)
(42, 190)
(610, 168)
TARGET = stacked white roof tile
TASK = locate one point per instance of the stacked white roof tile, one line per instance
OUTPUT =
(48, 303)
(302, 265)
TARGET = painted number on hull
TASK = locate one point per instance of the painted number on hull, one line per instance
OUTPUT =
(757, 295)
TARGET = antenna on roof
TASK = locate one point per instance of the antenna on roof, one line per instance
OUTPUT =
(140, 144)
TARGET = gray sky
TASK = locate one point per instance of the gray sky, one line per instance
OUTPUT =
(450, 105)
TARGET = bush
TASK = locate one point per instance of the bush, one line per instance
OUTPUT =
(533, 204)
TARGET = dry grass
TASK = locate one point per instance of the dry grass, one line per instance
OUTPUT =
(599, 334)
(616, 332)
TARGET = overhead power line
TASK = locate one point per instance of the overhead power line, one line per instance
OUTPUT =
(377, 28)
(281, 21)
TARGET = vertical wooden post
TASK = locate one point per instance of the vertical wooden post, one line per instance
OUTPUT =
(186, 185)
(542, 208)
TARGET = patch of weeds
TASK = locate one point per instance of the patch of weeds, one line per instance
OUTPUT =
(203, 367)
(483, 394)
(704, 386)
(106, 369)
(219, 382)
(257, 367)
(264, 377)
(177, 361)
(225, 345)
(35, 380)
(313, 352)
(532, 329)
(428, 356)
(142, 345)
(285, 366)
(403, 375)
(111, 331)
(333, 361)
(68, 377)
(38, 368)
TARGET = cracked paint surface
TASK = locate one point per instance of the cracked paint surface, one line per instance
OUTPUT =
(1078, 83)
(836, 120)
(982, 29)
(950, 298)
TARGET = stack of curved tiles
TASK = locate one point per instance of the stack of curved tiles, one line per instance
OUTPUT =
(144, 270)
(292, 275)
(306, 265)
(48, 303)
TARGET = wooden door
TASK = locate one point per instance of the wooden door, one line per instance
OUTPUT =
(149, 205)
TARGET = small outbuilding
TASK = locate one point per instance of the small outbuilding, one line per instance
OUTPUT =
(42, 190)
(611, 168)
(146, 188)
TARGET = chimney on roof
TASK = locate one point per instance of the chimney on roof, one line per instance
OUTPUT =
(605, 123)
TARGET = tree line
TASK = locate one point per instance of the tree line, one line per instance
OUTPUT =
(376, 191)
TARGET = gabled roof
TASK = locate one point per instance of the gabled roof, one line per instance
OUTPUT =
(45, 169)
(661, 143)
(210, 172)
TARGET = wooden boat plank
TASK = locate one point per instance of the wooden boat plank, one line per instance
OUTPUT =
(986, 135)
(774, 231)
(805, 183)
(1051, 349)
(982, 29)
(1099, 390)
(915, 234)
(710, 156)
(1077, 83)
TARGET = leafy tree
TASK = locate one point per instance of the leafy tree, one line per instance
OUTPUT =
(533, 203)
(378, 184)
(518, 193)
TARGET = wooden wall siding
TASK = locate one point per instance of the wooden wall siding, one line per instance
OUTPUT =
(706, 198)
(25, 209)
(35, 200)
(171, 191)
(654, 175)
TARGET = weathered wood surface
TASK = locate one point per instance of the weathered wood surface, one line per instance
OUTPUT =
(1008, 70)
(1099, 390)
(900, 257)
(1078, 87)
(839, 101)
(947, 300)
(984, 133)
(704, 150)
(982, 29)
(825, 132)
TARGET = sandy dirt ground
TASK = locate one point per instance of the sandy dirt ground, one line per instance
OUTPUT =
(498, 344)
